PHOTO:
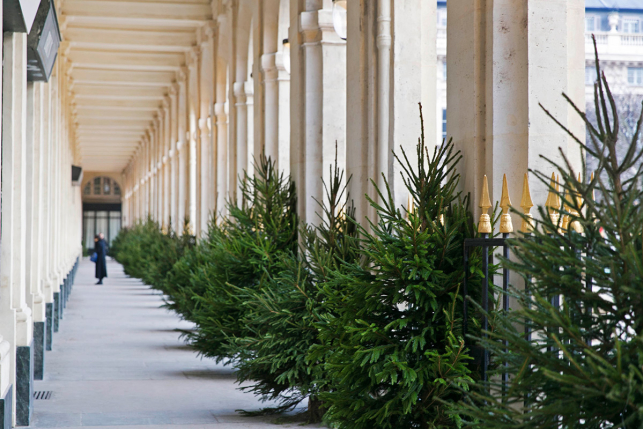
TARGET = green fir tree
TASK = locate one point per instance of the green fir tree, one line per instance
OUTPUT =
(395, 353)
(581, 364)
(282, 315)
(242, 252)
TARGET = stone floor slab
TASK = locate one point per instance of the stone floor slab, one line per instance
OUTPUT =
(118, 362)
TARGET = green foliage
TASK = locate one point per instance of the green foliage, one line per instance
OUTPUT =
(582, 366)
(281, 316)
(146, 252)
(241, 254)
(391, 324)
(364, 323)
(178, 287)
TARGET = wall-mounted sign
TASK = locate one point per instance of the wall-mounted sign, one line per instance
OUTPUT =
(76, 175)
(43, 42)
(18, 15)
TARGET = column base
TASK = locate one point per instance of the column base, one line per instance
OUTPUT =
(57, 315)
(39, 339)
(49, 326)
(61, 301)
(24, 385)
(66, 291)
(6, 409)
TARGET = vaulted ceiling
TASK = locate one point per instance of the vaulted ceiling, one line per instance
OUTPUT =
(125, 55)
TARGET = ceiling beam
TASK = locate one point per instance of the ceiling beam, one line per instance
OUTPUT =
(115, 115)
(130, 40)
(109, 128)
(146, 61)
(123, 78)
(109, 92)
(137, 13)
(117, 103)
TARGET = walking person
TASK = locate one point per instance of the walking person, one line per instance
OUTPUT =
(100, 248)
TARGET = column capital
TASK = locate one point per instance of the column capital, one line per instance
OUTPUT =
(309, 26)
(239, 89)
(269, 66)
(203, 125)
(210, 28)
(181, 75)
(220, 112)
(193, 56)
(249, 89)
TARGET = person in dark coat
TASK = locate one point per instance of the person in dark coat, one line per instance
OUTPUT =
(100, 247)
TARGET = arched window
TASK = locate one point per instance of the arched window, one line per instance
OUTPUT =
(102, 186)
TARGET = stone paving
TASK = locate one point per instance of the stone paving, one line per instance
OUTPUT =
(118, 362)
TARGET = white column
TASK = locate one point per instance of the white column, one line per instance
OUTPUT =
(16, 316)
(282, 63)
(322, 64)
(46, 213)
(167, 163)
(181, 152)
(503, 61)
(206, 174)
(241, 134)
(271, 106)
(250, 145)
(391, 68)
(34, 164)
(193, 103)
(222, 157)
(173, 158)
(7, 330)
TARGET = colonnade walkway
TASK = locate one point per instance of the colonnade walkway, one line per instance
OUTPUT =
(118, 362)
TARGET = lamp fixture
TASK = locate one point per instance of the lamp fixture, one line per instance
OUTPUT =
(340, 18)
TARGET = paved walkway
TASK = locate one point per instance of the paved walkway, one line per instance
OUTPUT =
(118, 362)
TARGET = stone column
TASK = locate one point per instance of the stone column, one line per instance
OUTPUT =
(282, 63)
(46, 216)
(34, 164)
(15, 316)
(222, 157)
(391, 68)
(241, 134)
(321, 105)
(221, 115)
(193, 105)
(272, 89)
(167, 163)
(206, 193)
(173, 158)
(153, 178)
(250, 145)
(181, 151)
(506, 57)
(7, 328)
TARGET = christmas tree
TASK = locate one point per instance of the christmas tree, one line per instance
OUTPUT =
(242, 252)
(282, 315)
(397, 358)
(574, 346)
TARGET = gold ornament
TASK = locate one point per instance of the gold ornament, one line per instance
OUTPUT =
(484, 226)
(505, 202)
